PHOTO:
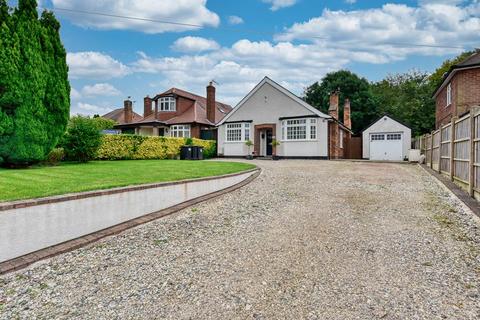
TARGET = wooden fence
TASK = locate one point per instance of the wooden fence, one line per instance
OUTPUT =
(454, 150)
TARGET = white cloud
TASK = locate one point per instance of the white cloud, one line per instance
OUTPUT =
(89, 109)
(234, 20)
(74, 94)
(386, 30)
(100, 89)
(185, 11)
(350, 1)
(94, 65)
(278, 4)
(194, 44)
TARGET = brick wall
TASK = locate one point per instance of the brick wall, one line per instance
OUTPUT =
(334, 150)
(465, 95)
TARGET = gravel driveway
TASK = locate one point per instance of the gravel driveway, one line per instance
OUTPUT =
(305, 240)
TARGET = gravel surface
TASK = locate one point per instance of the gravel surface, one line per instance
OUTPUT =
(305, 240)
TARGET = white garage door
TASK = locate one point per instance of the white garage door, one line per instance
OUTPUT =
(386, 146)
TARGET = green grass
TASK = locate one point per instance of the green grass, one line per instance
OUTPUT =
(16, 184)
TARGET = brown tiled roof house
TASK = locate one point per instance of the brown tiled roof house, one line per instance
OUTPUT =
(175, 113)
(459, 91)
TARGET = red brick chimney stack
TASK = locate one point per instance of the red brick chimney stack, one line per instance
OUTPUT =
(128, 110)
(333, 109)
(211, 102)
(147, 106)
(347, 121)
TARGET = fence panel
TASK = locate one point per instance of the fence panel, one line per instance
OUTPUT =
(445, 148)
(461, 154)
(436, 150)
(476, 148)
(428, 145)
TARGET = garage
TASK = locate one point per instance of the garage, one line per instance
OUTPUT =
(386, 140)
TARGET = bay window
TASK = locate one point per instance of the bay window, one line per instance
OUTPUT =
(237, 132)
(299, 129)
(180, 131)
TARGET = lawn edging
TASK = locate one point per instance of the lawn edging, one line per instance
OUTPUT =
(32, 230)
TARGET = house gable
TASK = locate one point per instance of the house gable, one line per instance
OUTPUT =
(386, 124)
(268, 102)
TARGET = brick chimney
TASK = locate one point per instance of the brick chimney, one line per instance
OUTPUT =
(333, 109)
(211, 102)
(347, 121)
(147, 106)
(128, 110)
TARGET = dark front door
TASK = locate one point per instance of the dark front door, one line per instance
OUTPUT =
(161, 132)
(269, 142)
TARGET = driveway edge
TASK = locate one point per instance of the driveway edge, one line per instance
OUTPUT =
(470, 203)
(49, 252)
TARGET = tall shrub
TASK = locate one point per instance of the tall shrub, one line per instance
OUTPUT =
(34, 87)
(82, 139)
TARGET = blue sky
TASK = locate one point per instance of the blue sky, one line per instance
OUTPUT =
(295, 42)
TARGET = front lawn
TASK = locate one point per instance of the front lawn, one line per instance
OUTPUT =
(38, 182)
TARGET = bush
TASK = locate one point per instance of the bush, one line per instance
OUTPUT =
(209, 147)
(82, 139)
(104, 124)
(129, 147)
(54, 157)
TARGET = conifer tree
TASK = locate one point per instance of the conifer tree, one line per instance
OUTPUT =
(34, 87)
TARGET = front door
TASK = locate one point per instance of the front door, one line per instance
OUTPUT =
(161, 132)
(269, 142)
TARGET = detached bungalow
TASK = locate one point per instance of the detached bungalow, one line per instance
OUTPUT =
(271, 112)
(173, 113)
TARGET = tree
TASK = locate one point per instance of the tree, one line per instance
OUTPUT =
(408, 98)
(364, 109)
(34, 87)
(436, 78)
(82, 139)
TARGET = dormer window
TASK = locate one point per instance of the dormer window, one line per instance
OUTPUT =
(167, 104)
(449, 94)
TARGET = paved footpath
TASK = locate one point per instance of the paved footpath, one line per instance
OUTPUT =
(305, 240)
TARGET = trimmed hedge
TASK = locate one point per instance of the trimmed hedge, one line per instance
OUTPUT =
(134, 147)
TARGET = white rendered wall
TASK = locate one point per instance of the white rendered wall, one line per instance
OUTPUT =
(387, 125)
(266, 106)
(29, 229)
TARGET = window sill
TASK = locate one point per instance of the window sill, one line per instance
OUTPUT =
(300, 140)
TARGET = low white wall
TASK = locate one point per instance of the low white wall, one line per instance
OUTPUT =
(29, 229)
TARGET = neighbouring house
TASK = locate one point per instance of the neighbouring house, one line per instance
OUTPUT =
(459, 91)
(271, 112)
(174, 113)
(386, 139)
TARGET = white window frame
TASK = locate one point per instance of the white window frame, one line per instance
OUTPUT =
(237, 132)
(449, 94)
(180, 131)
(167, 104)
(310, 126)
(377, 136)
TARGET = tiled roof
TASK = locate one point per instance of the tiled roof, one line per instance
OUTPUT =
(474, 59)
(119, 116)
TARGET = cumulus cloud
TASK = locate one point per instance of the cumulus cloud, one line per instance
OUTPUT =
(388, 30)
(89, 109)
(234, 20)
(94, 65)
(186, 11)
(100, 89)
(74, 94)
(194, 44)
(240, 67)
(278, 4)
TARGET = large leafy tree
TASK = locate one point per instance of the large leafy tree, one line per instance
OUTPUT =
(34, 87)
(436, 77)
(408, 98)
(363, 106)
